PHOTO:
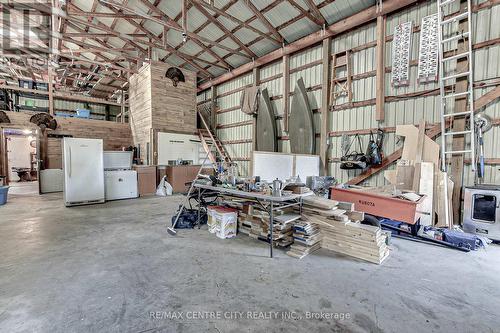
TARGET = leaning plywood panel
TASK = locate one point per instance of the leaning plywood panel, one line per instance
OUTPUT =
(301, 123)
(266, 125)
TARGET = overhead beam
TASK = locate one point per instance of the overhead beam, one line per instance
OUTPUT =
(224, 29)
(264, 20)
(315, 11)
(316, 19)
(236, 20)
(167, 21)
(337, 28)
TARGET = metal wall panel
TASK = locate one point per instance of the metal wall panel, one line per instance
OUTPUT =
(411, 110)
(402, 111)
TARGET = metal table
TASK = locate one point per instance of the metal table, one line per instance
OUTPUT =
(273, 203)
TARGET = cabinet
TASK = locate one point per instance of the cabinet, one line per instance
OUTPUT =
(146, 179)
(179, 175)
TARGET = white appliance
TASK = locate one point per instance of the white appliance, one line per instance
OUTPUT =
(83, 171)
(482, 210)
(51, 180)
(117, 160)
(119, 180)
(174, 146)
(120, 184)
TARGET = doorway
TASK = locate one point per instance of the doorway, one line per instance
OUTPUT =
(20, 160)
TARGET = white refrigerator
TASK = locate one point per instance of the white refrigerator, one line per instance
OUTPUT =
(83, 171)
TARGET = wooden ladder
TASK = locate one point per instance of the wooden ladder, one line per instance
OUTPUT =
(341, 86)
(208, 141)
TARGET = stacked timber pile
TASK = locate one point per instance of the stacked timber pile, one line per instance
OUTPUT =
(306, 239)
(354, 239)
(255, 223)
(244, 223)
(341, 230)
(282, 227)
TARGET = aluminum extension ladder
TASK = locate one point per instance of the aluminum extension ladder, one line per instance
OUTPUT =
(449, 34)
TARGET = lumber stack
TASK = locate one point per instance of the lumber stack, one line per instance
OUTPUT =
(282, 227)
(354, 239)
(255, 224)
(341, 211)
(340, 230)
(306, 239)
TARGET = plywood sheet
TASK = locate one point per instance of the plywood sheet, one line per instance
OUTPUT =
(301, 122)
(266, 130)
(306, 165)
(270, 166)
(430, 150)
(427, 187)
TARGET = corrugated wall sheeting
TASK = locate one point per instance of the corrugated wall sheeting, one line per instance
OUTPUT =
(312, 77)
(98, 111)
(275, 88)
(413, 109)
(402, 111)
(204, 95)
(363, 89)
(232, 100)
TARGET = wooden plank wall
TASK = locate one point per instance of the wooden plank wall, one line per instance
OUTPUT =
(114, 135)
(140, 116)
(157, 106)
(173, 108)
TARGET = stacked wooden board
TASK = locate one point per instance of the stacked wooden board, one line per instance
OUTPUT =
(255, 223)
(306, 239)
(354, 239)
(341, 231)
(324, 223)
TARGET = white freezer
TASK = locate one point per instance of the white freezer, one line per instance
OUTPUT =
(83, 171)
(120, 184)
(117, 160)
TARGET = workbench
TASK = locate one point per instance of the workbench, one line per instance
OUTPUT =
(268, 202)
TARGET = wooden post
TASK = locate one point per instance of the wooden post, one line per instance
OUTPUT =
(184, 16)
(106, 112)
(51, 92)
(3, 157)
(256, 83)
(325, 111)
(458, 142)
(380, 96)
(213, 110)
(286, 90)
(122, 118)
(165, 36)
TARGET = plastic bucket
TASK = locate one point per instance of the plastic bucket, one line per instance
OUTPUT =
(3, 194)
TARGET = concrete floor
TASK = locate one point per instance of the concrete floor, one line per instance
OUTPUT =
(105, 268)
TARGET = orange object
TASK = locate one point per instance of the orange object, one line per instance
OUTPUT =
(380, 205)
